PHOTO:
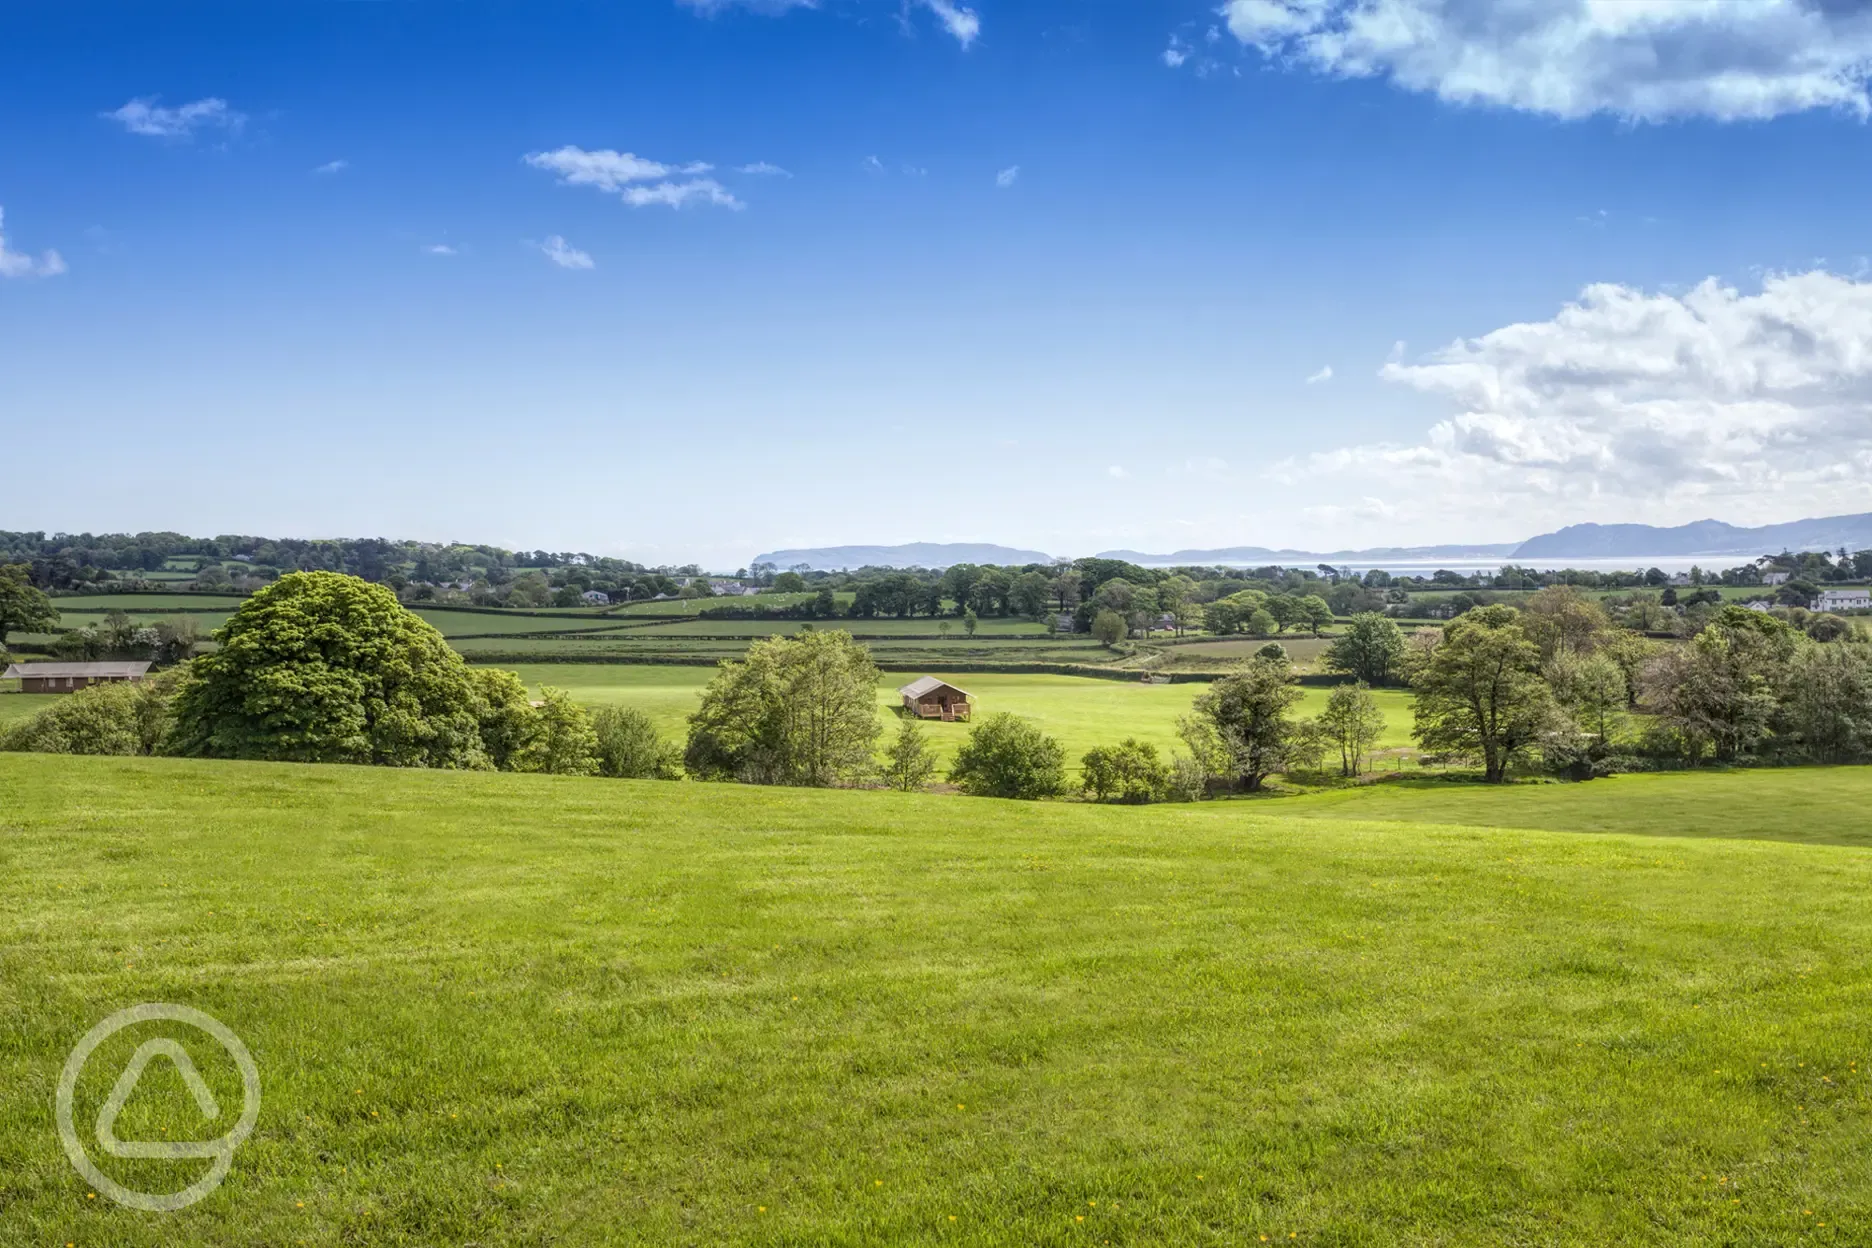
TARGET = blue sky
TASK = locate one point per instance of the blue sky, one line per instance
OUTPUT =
(1063, 275)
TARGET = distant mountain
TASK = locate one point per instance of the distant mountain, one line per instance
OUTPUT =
(1702, 537)
(1256, 555)
(912, 555)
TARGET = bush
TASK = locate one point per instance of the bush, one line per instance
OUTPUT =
(630, 748)
(563, 743)
(1127, 772)
(126, 718)
(1007, 756)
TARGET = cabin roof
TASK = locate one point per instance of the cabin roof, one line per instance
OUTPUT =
(120, 670)
(929, 684)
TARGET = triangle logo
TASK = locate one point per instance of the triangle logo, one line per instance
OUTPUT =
(205, 1101)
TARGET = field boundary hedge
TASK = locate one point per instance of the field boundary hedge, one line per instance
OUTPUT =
(1310, 679)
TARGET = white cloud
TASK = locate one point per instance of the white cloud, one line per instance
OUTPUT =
(761, 169)
(145, 116)
(1174, 56)
(1324, 374)
(440, 249)
(1007, 177)
(1645, 60)
(624, 174)
(1117, 472)
(873, 165)
(1629, 404)
(21, 264)
(564, 254)
(958, 21)
(333, 166)
(677, 194)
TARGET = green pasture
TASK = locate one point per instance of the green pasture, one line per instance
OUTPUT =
(170, 603)
(15, 705)
(502, 1009)
(206, 621)
(1815, 805)
(1081, 711)
(919, 627)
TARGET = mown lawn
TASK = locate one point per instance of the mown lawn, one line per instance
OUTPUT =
(529, 1010)
(15, 705)
(1816, 805)
(1081, 711)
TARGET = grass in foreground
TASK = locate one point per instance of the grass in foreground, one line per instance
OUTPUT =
(521, 1009)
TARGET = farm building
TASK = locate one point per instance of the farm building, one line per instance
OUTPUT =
(596, 598)
(929, 698)
(1774, 578)
(71, 677)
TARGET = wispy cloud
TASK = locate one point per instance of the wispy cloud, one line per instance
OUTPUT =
(638, 181)
(1324, 374)
(958, 21)
(761, 169)
(21, 264)
(1117, 472)
(565, 255)
(1175, 54)
(333, 166)
(1007, 177)
(144, 116)
(440, 249)
(873, 165)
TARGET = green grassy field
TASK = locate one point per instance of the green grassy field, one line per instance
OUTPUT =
(15, 705)
(528, 1010)
(1081, 711)
(147, 602)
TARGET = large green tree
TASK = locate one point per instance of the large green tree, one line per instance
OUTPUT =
(23, 608)
(1353, 724)
(320, 667)
(1480, 692)
(1371, 649)
(796, 710)
(1250, 713)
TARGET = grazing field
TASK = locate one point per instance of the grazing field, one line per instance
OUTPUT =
(15, 705)
(148, 603)
(509, 1009)
(1081, 711)
(206, 621)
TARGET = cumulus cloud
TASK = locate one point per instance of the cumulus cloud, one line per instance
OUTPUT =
(1324, 374)
(958, 21)
(1007, 177)
(440, 249)
(1644, 60)
(565, 255)
(1631, 403)
(333, 166)
(637, 181)
(144, 116)
(1175, 54)
(22, 264)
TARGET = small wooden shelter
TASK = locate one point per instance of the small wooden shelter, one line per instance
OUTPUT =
(929, 698)
(71, 677)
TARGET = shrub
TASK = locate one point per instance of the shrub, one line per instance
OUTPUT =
(127, 718)
(564, 743)
(630, 748)
(1109, 627)
(1007, 756)
(1127, 772)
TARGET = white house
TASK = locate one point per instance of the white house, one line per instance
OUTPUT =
(1843, 600)
(1774, 578)
(596, 598)
(1760, 606)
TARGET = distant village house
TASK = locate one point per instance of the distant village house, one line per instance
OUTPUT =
(596, 598)
(71, 677)
(1843, 600)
